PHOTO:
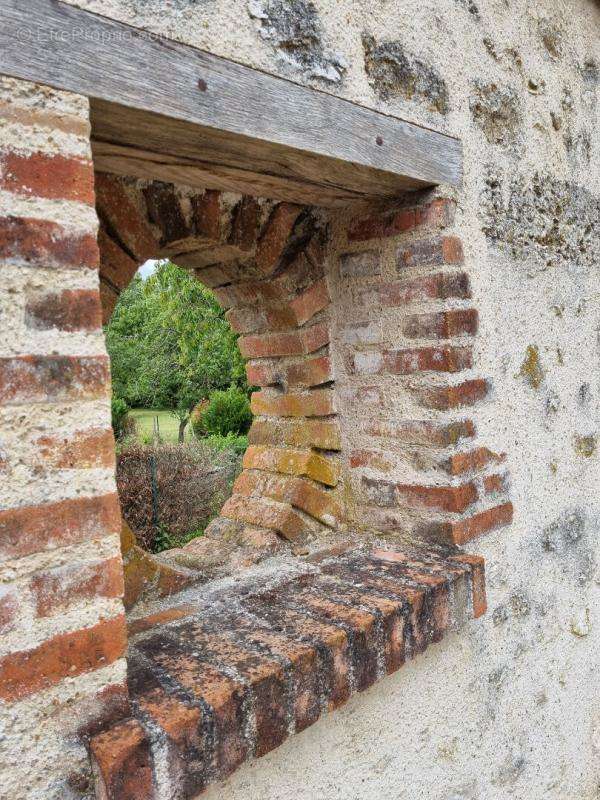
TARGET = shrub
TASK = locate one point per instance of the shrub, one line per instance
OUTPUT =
(227, 412)
(232, 442)
(118, 410)
(193, 481)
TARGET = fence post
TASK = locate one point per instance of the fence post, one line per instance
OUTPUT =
(154, 485)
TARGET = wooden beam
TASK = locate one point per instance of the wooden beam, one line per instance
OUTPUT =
(154, 97)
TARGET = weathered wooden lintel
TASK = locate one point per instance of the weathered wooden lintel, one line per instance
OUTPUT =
(161, 109)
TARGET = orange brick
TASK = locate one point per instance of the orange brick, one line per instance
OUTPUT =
(311, 301)
(66, 655)
(80, 450)
(56, 589)
(43, 175)
(322, 434)
(464, 530)
(122, 762)
(292, 343)
(309, 498)
(443, 498)
(318, 403)
(31, 529)
(310, 372)
(292, 462)
(459, 463)
(266, 514)
(445, 397)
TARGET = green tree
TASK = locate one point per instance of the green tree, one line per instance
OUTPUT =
(170, 344)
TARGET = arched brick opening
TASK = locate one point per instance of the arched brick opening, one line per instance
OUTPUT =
(265, 262)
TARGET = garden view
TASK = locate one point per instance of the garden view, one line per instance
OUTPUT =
(180, 406)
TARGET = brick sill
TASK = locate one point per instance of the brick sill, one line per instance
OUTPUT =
(216, 682)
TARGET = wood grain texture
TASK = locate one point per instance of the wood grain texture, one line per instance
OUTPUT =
(158, 96)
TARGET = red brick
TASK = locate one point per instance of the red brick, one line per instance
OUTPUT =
(181, 723)
(494, 484)
(292, 343)
(361, 625)
(442, 498)
(69, 654)
(464, 530)
(309, 372)
(69, 310)
(459, 463)
(41, 243)
(442, 324)
(121, 758)
(117, 267)
(382, 225)
(117, 208)
(206, 214)
(56, 589)
(477, 566)
(275, 235)
(244, 224)
(80, 450)
(9, 608)
(223, 695)
(439, 214)
(335, 666)
(431, 253)
(31, 529)
(52, 176)
(143, 624)
(394, 294)
(311, 301)
(423, 432)
(426, 359)
(445, 397)
(263, 675)
(370, 458)
(317, 403)
(46, 379)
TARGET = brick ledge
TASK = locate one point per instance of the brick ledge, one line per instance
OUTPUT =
(213, 684)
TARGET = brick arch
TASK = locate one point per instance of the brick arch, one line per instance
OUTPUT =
(265, 263)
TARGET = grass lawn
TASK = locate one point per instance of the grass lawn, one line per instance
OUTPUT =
(167, 423)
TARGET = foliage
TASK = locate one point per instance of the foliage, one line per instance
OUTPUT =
(237, 444)
(226, 412)
(118, 411)
(170, 344)
(193, 481)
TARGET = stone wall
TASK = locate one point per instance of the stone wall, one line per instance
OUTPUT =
(62, 671)
(509, 708)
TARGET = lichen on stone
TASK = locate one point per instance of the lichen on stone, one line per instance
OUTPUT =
(585, 446)
(531, 368)
(293, 27)
(394, 72)
(542, 220)
(497, 111)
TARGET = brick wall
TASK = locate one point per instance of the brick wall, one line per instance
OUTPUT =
(407, 378)
(61, 616)
(265, 262)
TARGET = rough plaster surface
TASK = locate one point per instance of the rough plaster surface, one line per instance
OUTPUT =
(509, 709)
